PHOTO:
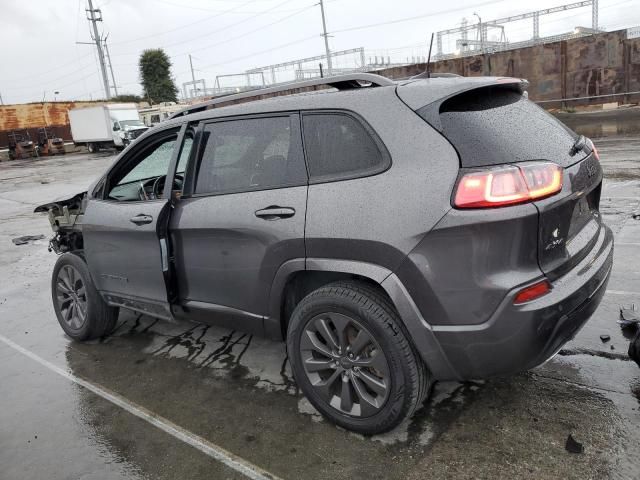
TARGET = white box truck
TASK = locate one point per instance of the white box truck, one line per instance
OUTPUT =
(106, 126)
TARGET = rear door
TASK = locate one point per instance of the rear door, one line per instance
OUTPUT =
(241, 216)
(122, 231)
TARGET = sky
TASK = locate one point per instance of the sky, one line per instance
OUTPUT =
(40, 54)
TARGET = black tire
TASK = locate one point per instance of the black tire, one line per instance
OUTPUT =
(81, 311)
(405, 378)
(93, 147)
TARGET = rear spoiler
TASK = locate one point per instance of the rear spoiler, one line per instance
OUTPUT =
(427, 95)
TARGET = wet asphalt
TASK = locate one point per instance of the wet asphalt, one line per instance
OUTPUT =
(236, 391)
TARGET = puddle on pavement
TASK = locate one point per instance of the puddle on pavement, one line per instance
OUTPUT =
(237, 391)
(264, 364)
(603, 124)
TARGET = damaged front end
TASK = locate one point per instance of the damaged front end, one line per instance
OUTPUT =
(65, 217)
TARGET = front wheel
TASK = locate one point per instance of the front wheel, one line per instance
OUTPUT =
(81, 311)
(352, 359)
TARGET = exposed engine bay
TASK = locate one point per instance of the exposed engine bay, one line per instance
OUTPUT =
(65, 217)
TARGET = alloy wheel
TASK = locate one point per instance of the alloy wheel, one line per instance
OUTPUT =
(345, 364)
(71, 294)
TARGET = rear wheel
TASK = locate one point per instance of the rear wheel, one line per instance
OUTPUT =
(352, 359)
(81, 311)
(93, 147)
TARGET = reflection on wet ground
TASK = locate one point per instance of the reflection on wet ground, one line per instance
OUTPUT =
(244, 399)
(237, 390)
(252, 406)
(604, 123)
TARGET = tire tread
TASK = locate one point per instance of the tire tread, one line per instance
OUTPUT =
(101, 317)
(376, 306)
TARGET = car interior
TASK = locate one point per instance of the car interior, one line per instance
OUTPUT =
(143, 177)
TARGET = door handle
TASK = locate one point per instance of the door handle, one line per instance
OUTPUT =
(141, 219)
(275, 212)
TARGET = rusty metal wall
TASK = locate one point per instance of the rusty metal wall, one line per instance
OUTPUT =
(601, 64)
(36, 115)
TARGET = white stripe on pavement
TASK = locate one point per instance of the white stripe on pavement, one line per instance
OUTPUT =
(214, 451)
(622, 292)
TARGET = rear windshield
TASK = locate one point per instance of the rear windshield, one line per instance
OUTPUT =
(490, 126)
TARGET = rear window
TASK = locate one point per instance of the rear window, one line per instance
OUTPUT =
(490, 126)
(340, 147)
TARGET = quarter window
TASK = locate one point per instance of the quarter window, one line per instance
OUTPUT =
(339, 147)
(251, 154)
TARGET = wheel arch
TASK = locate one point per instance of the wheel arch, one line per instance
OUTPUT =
(297, 278)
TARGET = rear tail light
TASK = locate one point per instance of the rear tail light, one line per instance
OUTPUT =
(532, 292)
(594, 150)
(508, 185)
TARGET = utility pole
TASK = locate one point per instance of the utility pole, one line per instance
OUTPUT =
(193, 75)
(113, 78)
(326, 38)
(96, 38)
(481, 32)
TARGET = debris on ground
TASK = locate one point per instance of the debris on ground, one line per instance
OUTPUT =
(634, 348)
(26, 239)
(629, 316)
(636, 216)
(573, 446)
(605, 338)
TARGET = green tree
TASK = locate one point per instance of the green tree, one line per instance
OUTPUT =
(155, 75)
(127, 97)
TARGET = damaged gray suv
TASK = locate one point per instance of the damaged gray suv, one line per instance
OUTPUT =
(392, 233)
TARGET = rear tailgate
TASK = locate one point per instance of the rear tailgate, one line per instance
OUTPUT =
(570, 222)
(494, 124)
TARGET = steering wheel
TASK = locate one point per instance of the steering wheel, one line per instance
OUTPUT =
(153, 188)
(158, 185)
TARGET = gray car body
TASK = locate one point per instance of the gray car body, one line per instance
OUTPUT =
(451, 274)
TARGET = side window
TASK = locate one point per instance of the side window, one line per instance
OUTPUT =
(339, 147)
(134, 180)
(184, 154)
(251, 154)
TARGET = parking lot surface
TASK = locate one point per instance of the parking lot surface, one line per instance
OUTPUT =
(183, 400)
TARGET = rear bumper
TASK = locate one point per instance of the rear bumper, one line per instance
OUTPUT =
(520, 337)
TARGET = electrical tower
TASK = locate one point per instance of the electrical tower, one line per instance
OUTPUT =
(95, 16)
(482, 27)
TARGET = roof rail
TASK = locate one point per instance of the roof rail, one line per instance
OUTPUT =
(434, 75)
(341, 82)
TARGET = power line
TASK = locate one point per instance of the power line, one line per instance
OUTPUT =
(227, 27)
(278, 47)
(68, 74)
(206, 19)
(56, 68)
(77, 80)
(416, 17)
(192, 7)
(251, 32)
